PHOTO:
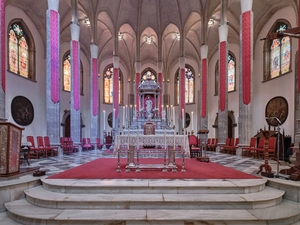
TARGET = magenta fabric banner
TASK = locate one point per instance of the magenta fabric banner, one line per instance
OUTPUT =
(137, 97)
(182, 92)
(204, 88)
(3, 32)
(223, 72)
(95, 86)
(160, 82)
(298, 49)
(75, 74)
(54, 58)
(116, 92)
(246, 56)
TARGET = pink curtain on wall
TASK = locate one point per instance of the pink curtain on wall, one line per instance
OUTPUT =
(75, 74)
(95, 86)
(54, 61)
(223, 70)
(161, 94)
(246, 56)
(116, 92)
(204, 88)
(3, 32)
(182, 91)
(137, 97)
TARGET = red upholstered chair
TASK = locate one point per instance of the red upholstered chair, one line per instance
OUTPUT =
(40, 144)
(34, 151)
(232, 149)
(259, 148)
(228, 143)
(271, 149)
(54, 149)
(195, 149)
(85, 145)
(98, 143)
(249, 150)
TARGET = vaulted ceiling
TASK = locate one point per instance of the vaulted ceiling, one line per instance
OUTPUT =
(157, 20)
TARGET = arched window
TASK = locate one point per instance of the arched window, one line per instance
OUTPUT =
(277, 53)
(108, 85)
(231, 74)
(67, 73)
(20, 50)
(189, 85)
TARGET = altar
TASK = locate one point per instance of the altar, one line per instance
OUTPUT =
(168, 145)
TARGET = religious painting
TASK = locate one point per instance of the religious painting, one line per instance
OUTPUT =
(276, 111)
(22, 110)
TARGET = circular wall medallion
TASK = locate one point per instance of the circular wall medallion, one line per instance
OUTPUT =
(22, 110)
(277, 111)
(187, 120)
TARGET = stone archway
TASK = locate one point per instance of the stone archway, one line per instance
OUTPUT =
(66, 124)
(231, 124)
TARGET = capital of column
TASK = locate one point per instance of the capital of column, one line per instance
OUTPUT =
(182, 62)
(94, 50)
(116, 61)
(53, 5)
(246, 5)
(75, 30)
(204, 51)
(137, 67)
(223, 32)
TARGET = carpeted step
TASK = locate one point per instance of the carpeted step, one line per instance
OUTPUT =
(146, 186)
(265, 198)
(285, 213)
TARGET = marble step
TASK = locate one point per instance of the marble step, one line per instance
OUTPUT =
(285, 213)
(6, 220)
(160, 186)
(265, 198)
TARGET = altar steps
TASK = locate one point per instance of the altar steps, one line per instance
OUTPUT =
(154, 202)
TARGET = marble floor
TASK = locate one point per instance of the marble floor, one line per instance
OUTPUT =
(54, 165)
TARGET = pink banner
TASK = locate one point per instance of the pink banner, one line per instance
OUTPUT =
(54, 56)
(182, 92)
(137, 82)
(95, 86)
(246, 56)
(75, 75)
(3, 32)
(116, 92)
(204, 87)
(160, 82)
(223, 72)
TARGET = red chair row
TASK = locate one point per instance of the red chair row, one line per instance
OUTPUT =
(67, 145)
(43, 147)
(212, 144)
(258, 152)
(230, 146)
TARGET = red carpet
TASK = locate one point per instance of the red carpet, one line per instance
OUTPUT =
(105, 168)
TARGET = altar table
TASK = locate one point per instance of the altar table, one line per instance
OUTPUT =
(167, 144)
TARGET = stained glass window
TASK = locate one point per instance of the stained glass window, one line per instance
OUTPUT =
(108, 85)
(67, 74)
(279, 51)
(18, 51)
(189, 85)
(231, 74)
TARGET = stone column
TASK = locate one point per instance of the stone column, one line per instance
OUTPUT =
(53, 69)
(137, 82)
(116, 94)
(203, 85)
(75, 82)
(246, 73)
(2, 61)
(223, 79)
(94, 94)
(181, 93)
(160, 82)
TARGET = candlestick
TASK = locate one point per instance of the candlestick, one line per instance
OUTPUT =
(165, 139)
(114, 111)
(192, 120)
(182, 118)
(123, 115)
(173, 115)
(103, 119)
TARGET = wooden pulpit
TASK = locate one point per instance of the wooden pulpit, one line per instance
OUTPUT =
(10, 147)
